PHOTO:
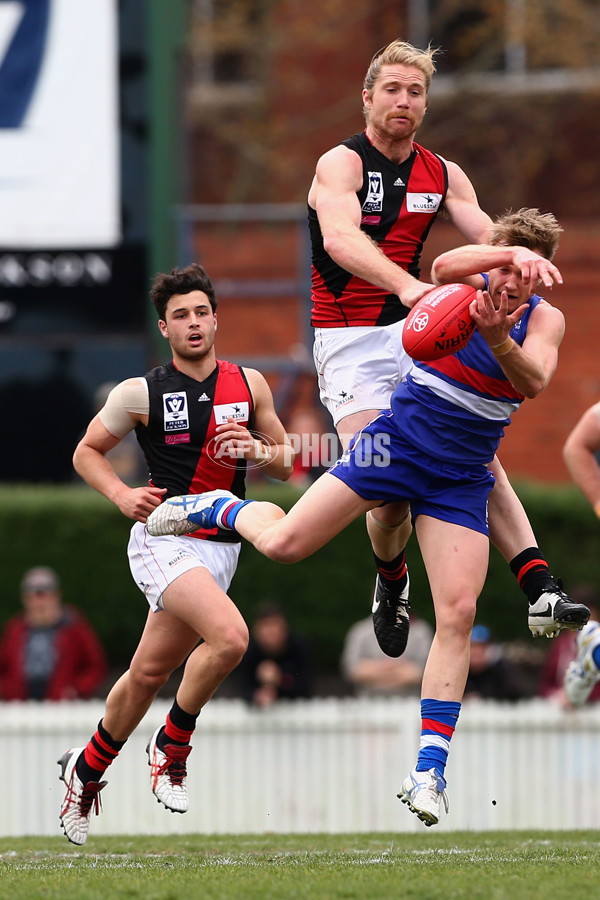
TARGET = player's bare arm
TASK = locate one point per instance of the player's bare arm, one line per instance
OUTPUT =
(529, 367)
(579, 454)
(333, 195)
(91, 464)
(464, 264)
(462, 206)
(269, 445)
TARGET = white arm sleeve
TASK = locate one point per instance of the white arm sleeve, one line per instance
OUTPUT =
(127, 399)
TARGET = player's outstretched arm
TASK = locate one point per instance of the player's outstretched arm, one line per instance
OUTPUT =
(579, 454)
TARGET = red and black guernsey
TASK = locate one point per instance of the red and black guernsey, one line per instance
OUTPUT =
(399, 205)
(178, 442)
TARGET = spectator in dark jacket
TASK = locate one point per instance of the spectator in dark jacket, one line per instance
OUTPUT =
(49, 651)
(276, 665)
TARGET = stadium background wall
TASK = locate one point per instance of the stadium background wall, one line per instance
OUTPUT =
(84, 537)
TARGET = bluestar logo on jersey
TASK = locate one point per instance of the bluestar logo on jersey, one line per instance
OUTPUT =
(239, 412)
(175, 408)
(423, 203)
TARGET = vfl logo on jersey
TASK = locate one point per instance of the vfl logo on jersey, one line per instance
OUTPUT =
(423, 203)
(374, 199)
(239, 412)
(175, 411)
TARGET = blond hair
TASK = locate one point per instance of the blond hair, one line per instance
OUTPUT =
(527, 228)
(404, 54)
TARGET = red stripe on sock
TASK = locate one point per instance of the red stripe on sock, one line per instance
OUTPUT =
(176, 734)
(95, 760)
(434, 725)
(226, 513)
(534, 563)
(104, 746)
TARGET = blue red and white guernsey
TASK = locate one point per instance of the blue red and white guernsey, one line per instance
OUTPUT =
(456, 408)
(399, 205)
(179, 442)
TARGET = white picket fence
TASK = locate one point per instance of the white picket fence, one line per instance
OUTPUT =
(331, 765)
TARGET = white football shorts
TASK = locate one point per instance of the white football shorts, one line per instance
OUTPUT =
(358, 368)
(156, 562)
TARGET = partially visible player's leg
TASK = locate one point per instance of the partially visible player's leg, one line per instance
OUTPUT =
(197, 603)
(364, 366)
(389, 528)
(456, 561)
(550, 609)
(326, 508)
(161, 650)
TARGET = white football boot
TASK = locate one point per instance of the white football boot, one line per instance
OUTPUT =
(583, 673)
(423, 792)
(168, 773)
(79, 800)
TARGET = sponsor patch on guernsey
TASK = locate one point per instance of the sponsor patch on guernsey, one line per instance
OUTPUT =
(239, 412)
(423, 203)
(177, 438)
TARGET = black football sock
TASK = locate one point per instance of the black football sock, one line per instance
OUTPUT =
(97, 755)
(178, 728)
(531, 571)
(394, 572)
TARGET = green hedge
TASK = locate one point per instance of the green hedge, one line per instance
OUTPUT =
(84, 537)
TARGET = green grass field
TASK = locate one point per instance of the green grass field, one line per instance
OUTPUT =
(478, 866)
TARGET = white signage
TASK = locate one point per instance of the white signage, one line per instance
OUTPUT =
(59, 150)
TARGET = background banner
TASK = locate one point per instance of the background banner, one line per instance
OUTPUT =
(59, 148)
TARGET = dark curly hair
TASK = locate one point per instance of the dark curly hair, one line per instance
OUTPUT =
(181, 281)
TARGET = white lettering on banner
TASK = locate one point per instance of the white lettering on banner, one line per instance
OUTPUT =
(46, 269)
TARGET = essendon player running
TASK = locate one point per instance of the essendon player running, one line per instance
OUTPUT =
(371, 205)
(198, 421)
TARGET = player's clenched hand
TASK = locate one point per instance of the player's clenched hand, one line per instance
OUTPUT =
(412, 292)
(138, 503)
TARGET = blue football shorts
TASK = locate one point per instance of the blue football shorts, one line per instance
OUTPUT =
(382, 465)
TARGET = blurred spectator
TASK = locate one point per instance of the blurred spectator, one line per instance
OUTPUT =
(491, 676)
(48, 651)
(276, 665)
(371, 673)
(563, 649)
